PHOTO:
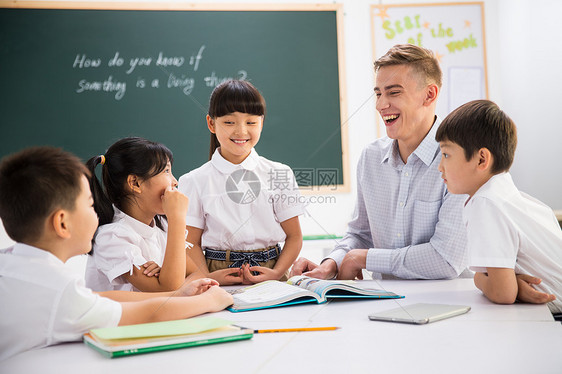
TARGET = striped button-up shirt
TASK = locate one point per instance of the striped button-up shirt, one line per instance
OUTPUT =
(404, 215)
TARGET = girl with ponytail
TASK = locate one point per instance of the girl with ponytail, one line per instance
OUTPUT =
(140, 243)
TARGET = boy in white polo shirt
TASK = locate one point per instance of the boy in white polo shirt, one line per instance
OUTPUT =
(514, 240)
(47, 208)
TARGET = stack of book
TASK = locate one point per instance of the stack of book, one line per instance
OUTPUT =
(160, 336)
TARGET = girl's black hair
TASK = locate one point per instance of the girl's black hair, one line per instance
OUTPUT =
(234, 96)
(128, 156)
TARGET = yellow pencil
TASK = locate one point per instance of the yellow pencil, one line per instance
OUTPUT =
(297, 329)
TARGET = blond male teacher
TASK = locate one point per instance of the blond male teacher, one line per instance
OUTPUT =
(405, 223)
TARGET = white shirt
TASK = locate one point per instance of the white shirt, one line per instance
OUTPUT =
(240, 207)
(120, 245)
(510, 229)
(45, 303)
(404, 215)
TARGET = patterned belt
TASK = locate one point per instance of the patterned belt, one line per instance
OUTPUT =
(240, 258)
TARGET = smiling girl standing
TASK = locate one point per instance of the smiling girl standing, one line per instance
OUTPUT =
(242, 205)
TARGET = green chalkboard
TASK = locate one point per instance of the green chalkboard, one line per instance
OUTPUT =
(83, 78)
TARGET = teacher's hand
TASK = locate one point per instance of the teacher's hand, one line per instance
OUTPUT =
(353, 264)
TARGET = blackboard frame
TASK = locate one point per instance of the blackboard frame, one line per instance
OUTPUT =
(336, 8)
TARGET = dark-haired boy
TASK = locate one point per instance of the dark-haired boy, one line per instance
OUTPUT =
(47, 208)
(511, 235)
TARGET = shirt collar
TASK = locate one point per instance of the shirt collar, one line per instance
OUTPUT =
(426, 151)
(24, 250)
(502, 183)
(392, 155)
(226, 167)
(141, 228)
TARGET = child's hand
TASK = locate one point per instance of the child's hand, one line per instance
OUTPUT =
(263, 274)
(174, 204)
(302, 265)
(228, 276)
(151, 268)
(219, 298)
(197, 286)
(528, 294)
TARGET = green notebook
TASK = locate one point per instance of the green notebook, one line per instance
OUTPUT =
(160, 336)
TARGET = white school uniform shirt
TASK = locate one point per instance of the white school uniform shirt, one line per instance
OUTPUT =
(240, 207)
(507, 228)
(120, 245)
(45, 303)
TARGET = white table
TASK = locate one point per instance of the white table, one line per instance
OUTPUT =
(519, 338)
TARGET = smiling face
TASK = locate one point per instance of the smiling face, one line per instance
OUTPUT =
(237, 134)
(460, 176)
(404, 103)
(153, 188)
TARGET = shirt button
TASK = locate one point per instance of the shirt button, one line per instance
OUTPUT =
(401, 204)
(398, 235)
(407, 174)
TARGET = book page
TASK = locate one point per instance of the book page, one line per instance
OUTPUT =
(318, 286)
(337, 288)
(266, 293)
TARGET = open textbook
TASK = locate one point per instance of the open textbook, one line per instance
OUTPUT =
(301, 289)
(160, 336)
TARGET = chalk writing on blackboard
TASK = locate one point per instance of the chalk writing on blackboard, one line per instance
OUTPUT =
(132, 72)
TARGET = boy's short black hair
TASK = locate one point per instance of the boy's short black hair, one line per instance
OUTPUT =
(33, 184)
(481, 124)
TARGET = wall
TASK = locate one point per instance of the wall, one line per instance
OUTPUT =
(520, 34)
(530, 58)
